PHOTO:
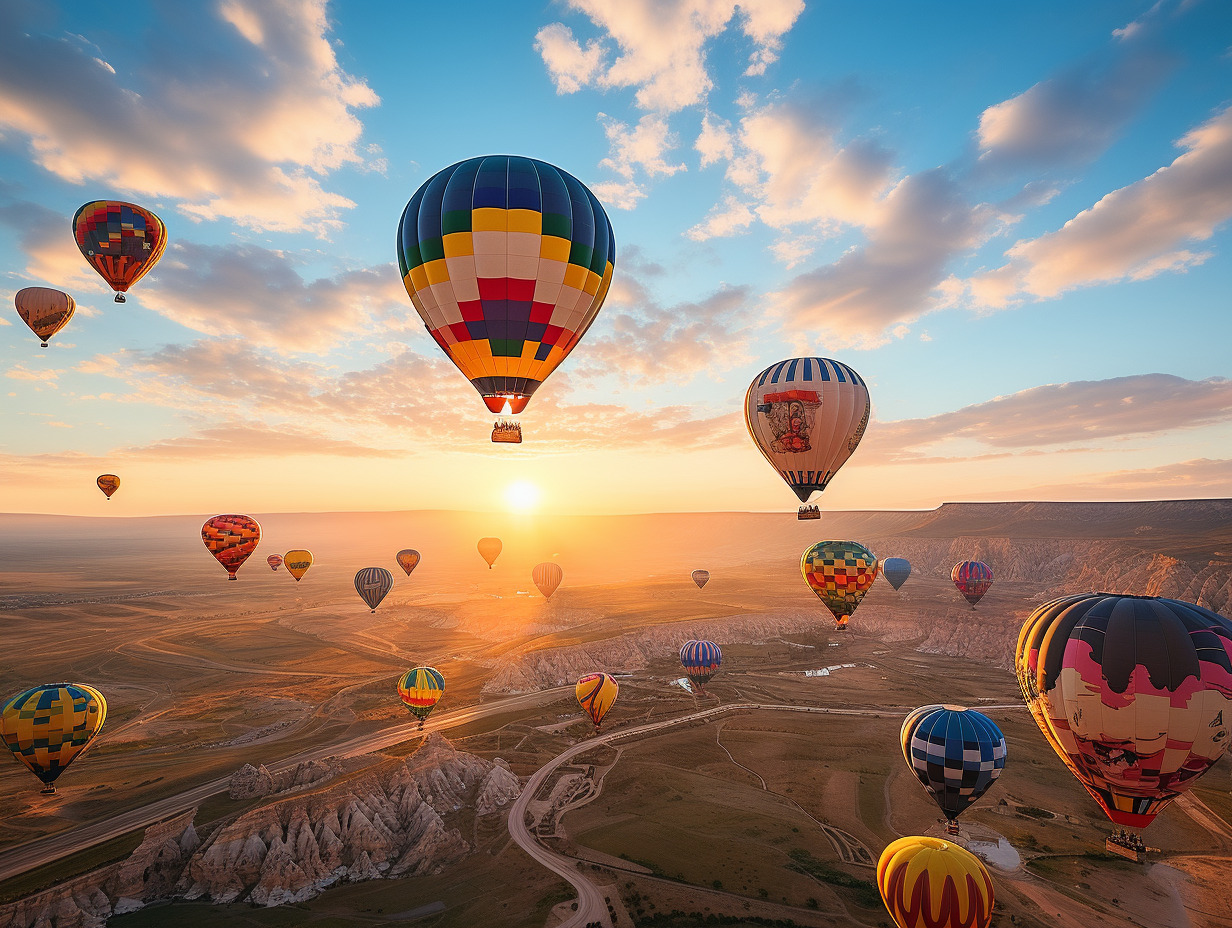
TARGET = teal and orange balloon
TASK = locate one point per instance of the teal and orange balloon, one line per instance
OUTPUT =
(507, 261)
(231, 538)
(420, 689)
(930, 883)
(49, 726)
(122, 241)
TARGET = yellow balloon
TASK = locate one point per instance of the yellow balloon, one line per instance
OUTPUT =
(49, 726)
(297, 563)
(931, 883)
(595, 694)
(489, 550)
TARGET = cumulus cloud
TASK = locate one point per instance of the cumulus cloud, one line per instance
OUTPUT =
(246, 133)
(660, 45)
(249, 440)
(1072, 413)
(1197, 478)
(642, 146)
(1133, 233)
(43, 236)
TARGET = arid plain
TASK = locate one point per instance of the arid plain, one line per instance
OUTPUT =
(761, 812)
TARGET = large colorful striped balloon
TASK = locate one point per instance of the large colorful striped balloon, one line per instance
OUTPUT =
(840, 573)
(373, 584)
(595, 694)
(955, 753)
(507, 261)
(973, 578)
(122, 241)
(896, 570)
(806, 416)
(44, 310)
(47, 727)
(420, 689)
(231, 538)
(1134, 693)
(547, 577)
(700, 660)
(931, 883)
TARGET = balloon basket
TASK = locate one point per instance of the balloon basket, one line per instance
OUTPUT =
(951, 828)
(48, 790)
(508, 432)
(808, 513)
(44, 344)
(120, 298)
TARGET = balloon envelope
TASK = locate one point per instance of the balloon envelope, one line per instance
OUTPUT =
(507, 261)
(840, 573)
(408, 559)
(955, 753)
(274, 560)
(231, 539)
(547, 577)
(700, 577)
(489, 550)
(896, 570)
(420, 689)
(1134, 693)
(372, 584)
(44, 310)
(931, 883)
(973, 578)
(700, 660)
(806, 416)
(595, 694)
(122, 241)
(297, 563)
(108, 483)
(48, 726)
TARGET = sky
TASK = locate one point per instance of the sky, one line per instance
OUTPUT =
(1011, 219)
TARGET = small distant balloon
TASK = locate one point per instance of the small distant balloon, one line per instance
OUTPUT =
(108, 483)
(930, 883)
(274, 560)
(595, 694)
(973, 578)
(700, 660)
(122, 241)
(373, 584)
(547, 577)
(44, 310)
(489, 550)
(231, 538)
(408, 559)
(420, 689)
(896, 570)
(297, 563)
(49, 726)
(700, 577)
(840, 573)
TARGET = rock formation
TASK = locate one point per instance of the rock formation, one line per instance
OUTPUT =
(251, 782)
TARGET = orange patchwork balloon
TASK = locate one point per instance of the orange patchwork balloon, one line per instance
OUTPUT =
(231, 538)
(122, 241)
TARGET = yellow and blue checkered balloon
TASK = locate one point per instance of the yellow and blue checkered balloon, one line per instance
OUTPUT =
(507, 261)
(47, 727)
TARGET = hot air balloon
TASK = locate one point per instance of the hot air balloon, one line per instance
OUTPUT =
(297, 563)
(44, 310)
(956, 753)
(595, 694)
(108, 483)
(547, 577)
(931, 883)
(121, 241)
(973, 578)
(231, 539)
(700, 577)
(421, 688)
(806, 416)
(1134, 693)
(274, 560)
(701, 660)
(408, 559)
(372, 584)
(507, 261)
(489, 550)
(840, 573)
(896, 570)
(47, 727)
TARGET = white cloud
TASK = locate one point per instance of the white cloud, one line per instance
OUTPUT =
(714, 143)
(642, 146)
(571, 66)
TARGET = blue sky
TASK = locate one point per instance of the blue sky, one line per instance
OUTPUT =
(1012, 220)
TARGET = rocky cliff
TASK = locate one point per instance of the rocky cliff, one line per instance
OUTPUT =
(390, 822)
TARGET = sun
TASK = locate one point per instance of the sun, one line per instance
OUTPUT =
(522, 496)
